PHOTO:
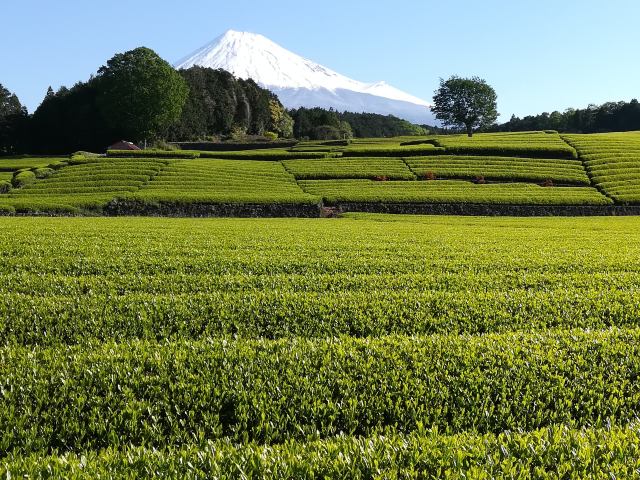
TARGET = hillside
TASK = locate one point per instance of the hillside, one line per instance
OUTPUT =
(507, 173)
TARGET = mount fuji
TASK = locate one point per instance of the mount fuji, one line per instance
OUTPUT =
(299, 82)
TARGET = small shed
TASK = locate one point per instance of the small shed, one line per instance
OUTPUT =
(123, 145)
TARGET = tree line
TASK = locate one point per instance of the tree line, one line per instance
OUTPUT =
(138, 96)
(608, 117)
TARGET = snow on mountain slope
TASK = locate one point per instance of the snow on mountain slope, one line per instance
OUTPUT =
(299, 82)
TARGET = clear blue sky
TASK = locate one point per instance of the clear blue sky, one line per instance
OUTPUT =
(539, 56)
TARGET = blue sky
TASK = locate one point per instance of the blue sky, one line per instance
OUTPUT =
(539, 56)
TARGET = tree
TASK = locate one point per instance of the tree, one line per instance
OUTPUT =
(140, 93)
(465, 102)
(13, 123)
(281, 121)
(9, 103)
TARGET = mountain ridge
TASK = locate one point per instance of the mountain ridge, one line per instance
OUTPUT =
(300, 82)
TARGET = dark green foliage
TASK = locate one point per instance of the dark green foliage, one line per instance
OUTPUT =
(9, 103)
(326, 132)
(361, 125)
(70, 120)
(140, 94)
(218, 102)
(367, 125)
(23, 178)
(608, 117)
(13, 123)
(182, 392)
(465, 102)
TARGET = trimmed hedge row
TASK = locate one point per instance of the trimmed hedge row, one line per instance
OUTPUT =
(267, 154)
(514, 150)
(68, 314)
(553, 453)
(500, 168)
(357, 167)
(392, 151)
(152, 154)
(171, 394)
(450, 191)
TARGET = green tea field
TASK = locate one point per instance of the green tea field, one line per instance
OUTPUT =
(530, 173)
(367, 346)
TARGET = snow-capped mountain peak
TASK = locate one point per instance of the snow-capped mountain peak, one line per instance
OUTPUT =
(302, 82)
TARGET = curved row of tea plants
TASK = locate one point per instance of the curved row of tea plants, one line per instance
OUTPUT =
(613, 161)
(223, 181)
(85, 185)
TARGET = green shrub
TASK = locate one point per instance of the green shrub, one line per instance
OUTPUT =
(271, 135)
(43, 172)
(5, 186)
(23, 178)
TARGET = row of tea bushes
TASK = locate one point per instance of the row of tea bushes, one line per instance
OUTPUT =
(371, 168)
(553, 453)
(450, 191)
(500, 168)
(173, 393)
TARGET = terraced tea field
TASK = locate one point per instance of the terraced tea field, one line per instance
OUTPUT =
(613, 161)
(530, 173)
(369, 346)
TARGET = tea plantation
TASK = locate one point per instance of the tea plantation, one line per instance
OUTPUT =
(541, 173)
(368, 346)
(364, 346)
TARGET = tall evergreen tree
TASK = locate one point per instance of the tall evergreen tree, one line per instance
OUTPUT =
(140, 93)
